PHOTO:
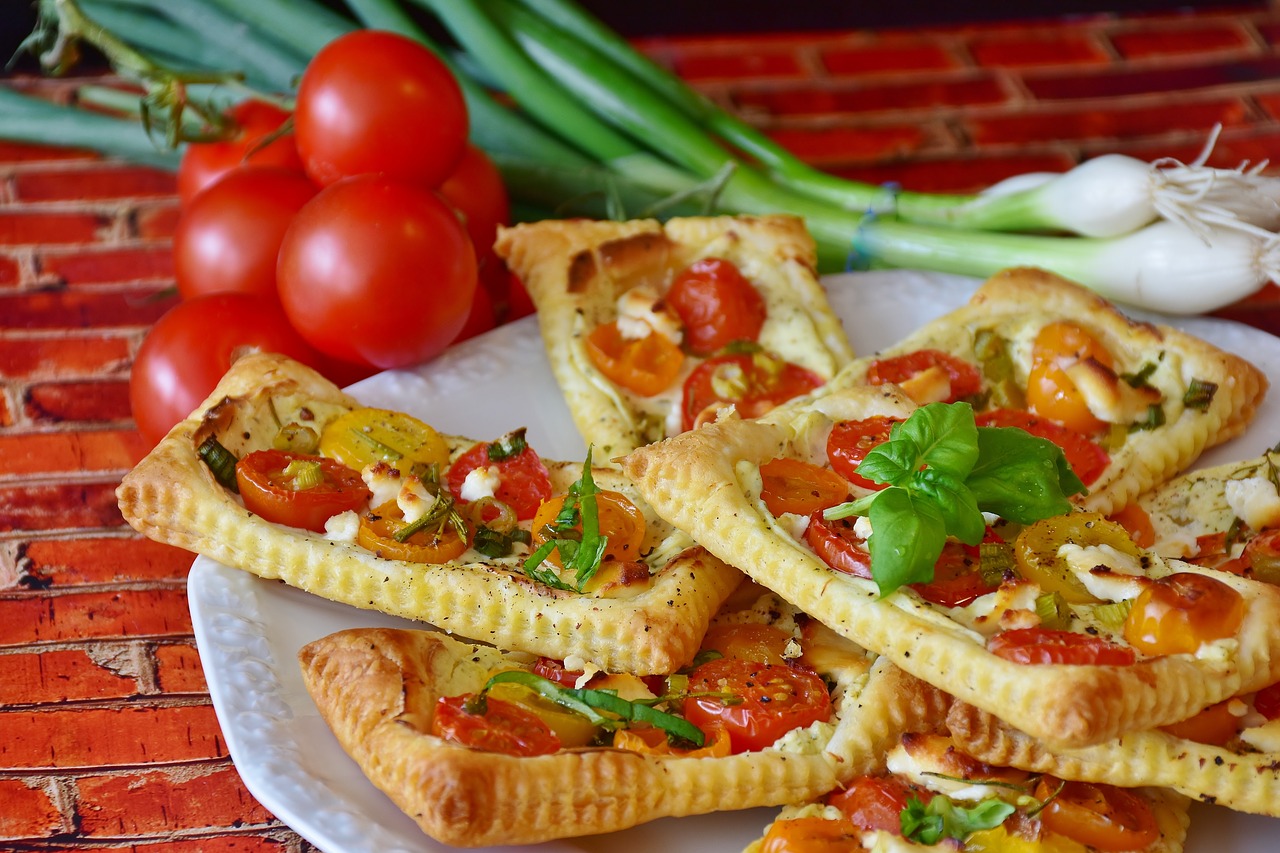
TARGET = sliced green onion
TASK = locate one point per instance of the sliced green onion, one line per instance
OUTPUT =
(305, 474)
(1154, 419)
(1053, 610)
(1112, 614)
(1199, 394)
(221, 462)
(296, 438)
(511, 444)
(995, 560)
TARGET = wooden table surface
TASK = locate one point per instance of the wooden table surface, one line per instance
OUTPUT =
(108, 739)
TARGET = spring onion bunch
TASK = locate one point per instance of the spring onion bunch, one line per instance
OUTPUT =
(581, 123)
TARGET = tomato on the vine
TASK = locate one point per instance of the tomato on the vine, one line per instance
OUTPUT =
(203, 163)
(190, 348)
(274, 490)
(229, 236)
(476, 190)
(377, 272)
(372, 101)
(761, 702)
(717, 305)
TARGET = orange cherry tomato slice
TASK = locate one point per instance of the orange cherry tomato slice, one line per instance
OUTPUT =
(650, 741)
(1178, 613)
(811, 835)
(1103, 817)
(716, 304)
(503, 727)
(269, 492)
(1135, 519)
(1044, 646)
(619, 519)
(644, 366)
(1215, 725)
(965, 378)
(524, 480)
(790, 485)
(849, 443)
(378, 530)
(1051, 393)
(767, 701)
(1087, 459)
(754, 384)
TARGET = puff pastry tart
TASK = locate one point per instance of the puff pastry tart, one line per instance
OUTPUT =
(485, 747)
(375, 509)
(1058, 623)
(931, 794)
(651, 328)
(1131, 403)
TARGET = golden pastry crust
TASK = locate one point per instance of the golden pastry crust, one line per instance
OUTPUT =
(1016, 303)
(1065, 705)
(172, 497)
(377, 689)
(1238, 778)
(575, 270)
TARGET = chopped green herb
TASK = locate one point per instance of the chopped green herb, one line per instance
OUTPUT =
(1154, 419)
(440, 513)
(995, 560)
(511, 444)
(581, 551)
(942, 818)
(497, 543)
(221, 462)
(1199, 394)
(1139, 379)
(1053, 610)
(385, 452)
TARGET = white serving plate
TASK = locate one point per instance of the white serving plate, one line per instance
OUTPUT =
(249, 630)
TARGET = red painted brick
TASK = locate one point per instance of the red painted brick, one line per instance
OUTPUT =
(24, 152)
(47, 227)
(1269, 101)
(1032, 49)
(66, 309)
(98, 615)
(109, 737)
(110, 265)
(738, 65)
(10, 271)
(70, 452)
(843, 145)
(812, 100)
(6, 414)
(59, 506)
(102, 559)
(1269, 30)
(956, 175)
(157, 221)
(1168, 78)
(27, 811)
(1201, 37)
(238, 843)
(59, 675)
(179, 670)
(155, 803)
(63, 357)
(59, 402)
(1117, 122)
(94, 182)
(887, 56)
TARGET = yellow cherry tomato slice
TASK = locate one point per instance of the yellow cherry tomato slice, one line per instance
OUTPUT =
(1036, 550)
(1051, 393)
(364, 436)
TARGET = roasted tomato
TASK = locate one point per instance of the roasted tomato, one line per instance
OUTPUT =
(756, 702)
(296, 489)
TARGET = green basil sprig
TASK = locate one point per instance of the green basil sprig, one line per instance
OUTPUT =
(943, 472)
(580, 551)
(942, 818)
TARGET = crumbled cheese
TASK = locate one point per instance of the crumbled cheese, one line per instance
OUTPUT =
(641, 313)
(1011, 605)
(573, 663)
(1106, 573)
(342, 527)
(1255, 501)
(809, 740)
(383, 481)
(795, 525)
(862, 527)
(481, 482)
(1109, 397)
(414, 499)
(931, 771)
(1264, 738)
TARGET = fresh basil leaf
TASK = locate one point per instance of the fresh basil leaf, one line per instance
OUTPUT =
(944, 435)
(907, 536)
(942, 818)
(587, 557)
(953, 500)
(511, 444)
(1021, 477)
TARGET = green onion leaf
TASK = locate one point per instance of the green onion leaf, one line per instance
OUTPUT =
(221, 462)
(306, 474)
(1199, 394)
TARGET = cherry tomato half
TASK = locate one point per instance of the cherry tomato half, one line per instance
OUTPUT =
(957, 579)
(644, 366)
(876, 802)
(755, 641)
(753, 383)
(503, 727)
(767, 701)
(271, 491)
(836, 543)
(1087, 458)
(203, 163)
(650, 741)
(229, 236)
(1051, 393)
(190, 348)
(373, 101)
(1178, 613)
(1044, 646)
(1215, 725)
(850, 441)
(378, 529)
(1267, 701)
(524, 480)
(377, 272)
(619, 519)
(716, 304)
(790, 485)
(811, 835)
(1102, 816)
(964, 379)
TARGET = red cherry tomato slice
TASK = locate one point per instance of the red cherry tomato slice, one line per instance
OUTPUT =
(554, 670)
(269, 492)
(1044, 646)
(768, 701)
(503, 727)
(838, 546)
(1086, 458)
(966, 378)
(849, 443)
(753, 383)
(716, 304)
(876, 802)
(525, 481)
(790, 485)
(956, 578)
(1103, 817)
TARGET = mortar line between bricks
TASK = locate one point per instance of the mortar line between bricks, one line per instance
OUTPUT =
(274, 831)
(163, 701)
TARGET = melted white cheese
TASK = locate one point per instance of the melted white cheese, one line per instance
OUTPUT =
(383, 481)
(480, 482)
(414, 499)
(928, 771)
(640, 314)
(1265, 738)
(342, 527)
(1255, 501)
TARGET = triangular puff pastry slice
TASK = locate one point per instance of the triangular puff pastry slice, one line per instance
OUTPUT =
(377, 690)
(172, 496)
(575, 270)
(995, 331)
(707, 482)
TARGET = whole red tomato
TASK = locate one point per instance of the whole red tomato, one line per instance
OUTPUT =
(192, 345)
(229, 236)
(205, 162)
(372, 101)
(476, 190)
(378, 272)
